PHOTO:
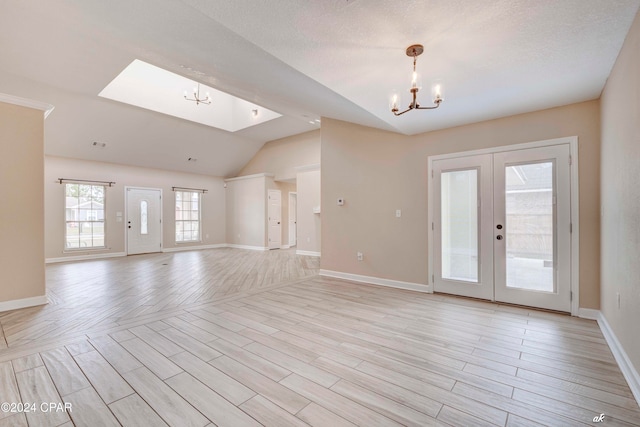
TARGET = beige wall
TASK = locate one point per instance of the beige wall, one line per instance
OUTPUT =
(309, 223)
(21, 203)
(213, 209)
(378, 172)
(246, 204)
(281, 156)
(620, 176)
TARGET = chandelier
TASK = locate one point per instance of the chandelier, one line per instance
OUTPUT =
(196, 97)
(415, 51)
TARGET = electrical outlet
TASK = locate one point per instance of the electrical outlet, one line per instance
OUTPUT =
(360, 256)
(398, 213)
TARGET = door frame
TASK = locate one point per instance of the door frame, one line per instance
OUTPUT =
(572, 141)
(126, 215)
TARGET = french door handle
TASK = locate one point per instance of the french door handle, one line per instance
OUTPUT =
(499, 237)
(499, 226)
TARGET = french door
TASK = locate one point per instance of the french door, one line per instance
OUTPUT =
(502, 226)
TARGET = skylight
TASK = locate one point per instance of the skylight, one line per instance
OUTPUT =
(147, 86)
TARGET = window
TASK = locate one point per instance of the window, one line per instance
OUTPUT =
(144, 226)
(84, 216)
(187, 216)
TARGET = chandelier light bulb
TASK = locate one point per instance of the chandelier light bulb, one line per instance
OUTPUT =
(437, 93)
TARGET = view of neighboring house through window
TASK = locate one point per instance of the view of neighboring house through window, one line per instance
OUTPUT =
(187, 216)
(84, 216)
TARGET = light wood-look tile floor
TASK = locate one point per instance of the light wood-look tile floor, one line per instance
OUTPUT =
(314, 351)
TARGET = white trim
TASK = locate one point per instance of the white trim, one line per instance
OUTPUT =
(378, 281)
(285, 247)
(575, 203)
(307, 168)
(85, 257)
(628, 370)
(255, 175)
(307, 253)
(194, 248)
(575, 227)
(250, 248)
(29, 103)
(589, 313)
(500, 148)
(23, 303)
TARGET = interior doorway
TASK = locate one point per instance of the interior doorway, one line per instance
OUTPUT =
(274, 200)
(293, 219)
(144, 220)
(501, 226)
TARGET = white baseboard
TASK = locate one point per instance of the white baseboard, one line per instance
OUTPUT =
(23, 303)
(628, 370)
(85, 257)
(251, 248)
(307, 253)
(194, 248)
(378, 281)
(589, 313)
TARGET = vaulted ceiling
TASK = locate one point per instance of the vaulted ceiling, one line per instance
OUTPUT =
(303, 59)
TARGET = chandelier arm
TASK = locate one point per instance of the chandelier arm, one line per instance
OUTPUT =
(428, 108)
(401, 112)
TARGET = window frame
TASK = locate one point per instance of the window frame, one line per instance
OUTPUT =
(79, 221)
(198, 239)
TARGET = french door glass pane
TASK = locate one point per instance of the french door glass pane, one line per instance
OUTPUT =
(529, 226)
(459, 213)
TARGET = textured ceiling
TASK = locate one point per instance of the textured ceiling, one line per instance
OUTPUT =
(302, 59)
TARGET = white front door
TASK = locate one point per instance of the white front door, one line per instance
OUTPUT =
(502, 227)
(293, 219)
(144, 221)
(274, 219)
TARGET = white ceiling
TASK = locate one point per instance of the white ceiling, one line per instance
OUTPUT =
(302, 59)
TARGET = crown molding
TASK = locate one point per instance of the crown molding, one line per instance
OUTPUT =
(29, 103)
